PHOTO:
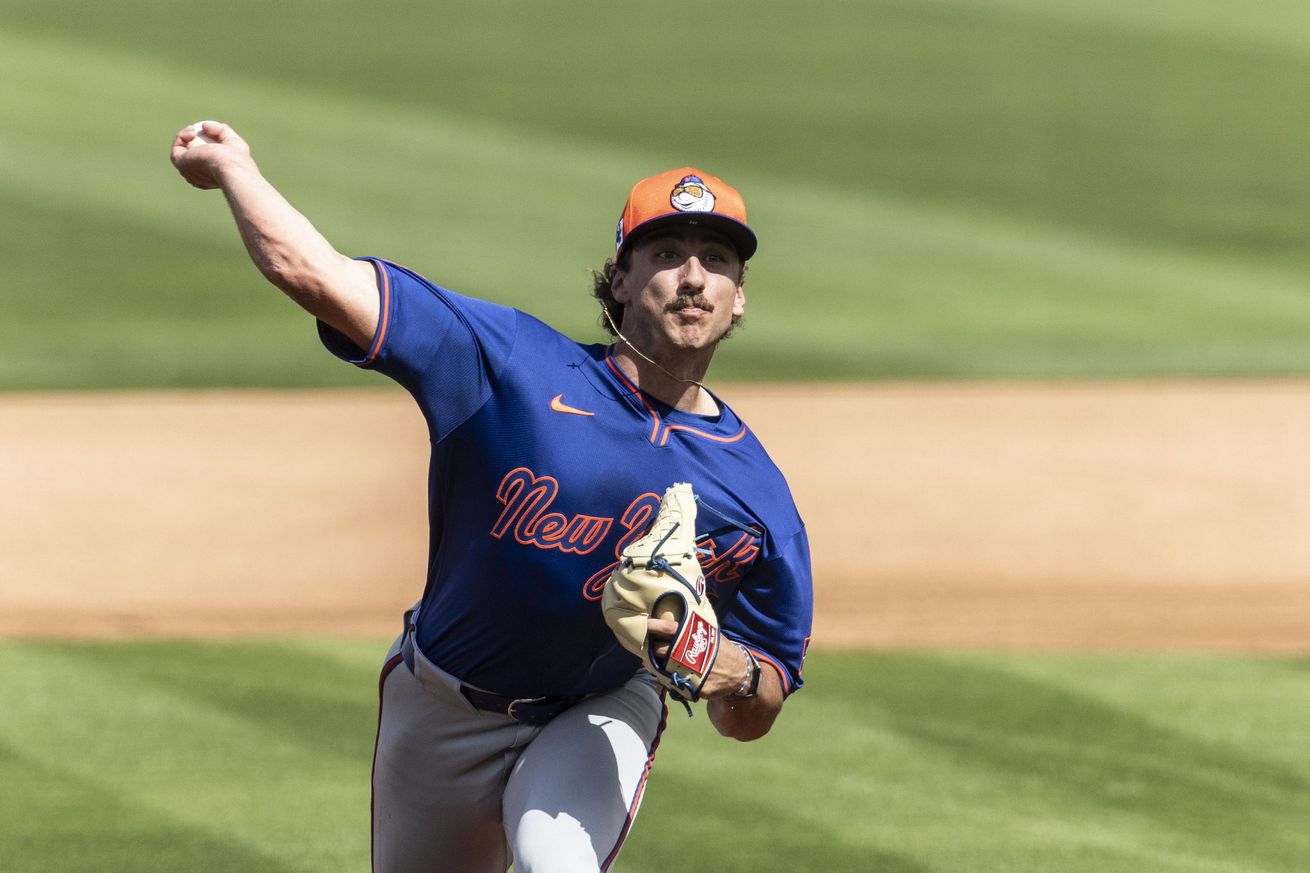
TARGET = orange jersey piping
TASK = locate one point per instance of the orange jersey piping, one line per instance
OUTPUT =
(709, 436)
(609, 361)
(383, 317)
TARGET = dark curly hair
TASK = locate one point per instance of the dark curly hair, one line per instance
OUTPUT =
(602, 288)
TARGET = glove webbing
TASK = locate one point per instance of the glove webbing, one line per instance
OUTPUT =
(683, 691)
(661, 564)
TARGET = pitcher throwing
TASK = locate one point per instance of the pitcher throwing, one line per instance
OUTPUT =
(514, 725)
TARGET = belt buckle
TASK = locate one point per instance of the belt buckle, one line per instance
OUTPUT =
(526, 717)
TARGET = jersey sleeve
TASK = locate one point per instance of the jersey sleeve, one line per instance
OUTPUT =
(446, 349)
(773, 610)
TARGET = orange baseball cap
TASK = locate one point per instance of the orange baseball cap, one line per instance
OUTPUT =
(685, 196)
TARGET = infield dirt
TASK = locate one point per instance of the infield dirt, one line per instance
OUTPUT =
(1125, 515)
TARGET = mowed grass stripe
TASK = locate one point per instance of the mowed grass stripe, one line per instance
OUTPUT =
(964, 292)
(1279, 27)
(912, 761)
(53, 820)
(222, 742)
(151, 286)
(964, 759)
(1021, 104)
(1064, 750)
(1028, 225)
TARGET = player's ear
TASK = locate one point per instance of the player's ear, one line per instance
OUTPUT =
(739, 300)
(618, 286)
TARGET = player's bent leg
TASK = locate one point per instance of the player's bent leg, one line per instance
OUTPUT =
(574, 793)
(439, 775)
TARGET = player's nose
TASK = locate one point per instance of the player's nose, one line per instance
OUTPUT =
(693, 273)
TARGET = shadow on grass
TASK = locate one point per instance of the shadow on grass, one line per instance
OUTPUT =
(739, 835)
(1296, 665)
(1046, 742)
(52, 820)
(321, 705)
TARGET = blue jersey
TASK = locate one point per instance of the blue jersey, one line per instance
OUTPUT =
(546, 462)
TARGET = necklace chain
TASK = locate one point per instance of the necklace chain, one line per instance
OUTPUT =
(643, 356)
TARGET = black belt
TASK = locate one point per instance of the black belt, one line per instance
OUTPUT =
(533, 711)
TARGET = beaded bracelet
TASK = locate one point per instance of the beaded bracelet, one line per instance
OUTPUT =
(750, 683)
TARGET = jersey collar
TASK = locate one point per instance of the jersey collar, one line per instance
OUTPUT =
(667, 423)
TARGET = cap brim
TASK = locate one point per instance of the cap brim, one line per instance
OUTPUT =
(741, 236)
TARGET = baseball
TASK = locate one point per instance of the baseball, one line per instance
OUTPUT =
(201, 137)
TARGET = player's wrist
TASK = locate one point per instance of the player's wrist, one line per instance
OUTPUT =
(234, 168)
(749, 686)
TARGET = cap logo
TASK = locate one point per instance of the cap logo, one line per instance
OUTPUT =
(691, 195)
(618, 234)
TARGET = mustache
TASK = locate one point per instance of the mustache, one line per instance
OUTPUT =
(683, 302)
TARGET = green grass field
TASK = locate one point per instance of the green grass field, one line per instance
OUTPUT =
(255, 756)
(943, 189)
(951, 188)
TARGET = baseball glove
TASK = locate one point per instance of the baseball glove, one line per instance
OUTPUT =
(659, 575)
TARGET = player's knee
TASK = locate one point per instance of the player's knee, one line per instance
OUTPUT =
(545, 843)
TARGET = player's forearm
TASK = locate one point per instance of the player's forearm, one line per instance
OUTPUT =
(282, 243)
(748, 718)
(285, 247)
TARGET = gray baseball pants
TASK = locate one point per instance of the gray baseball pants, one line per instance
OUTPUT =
(466, 791)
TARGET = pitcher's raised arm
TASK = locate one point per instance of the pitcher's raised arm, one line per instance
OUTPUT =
(282, 243)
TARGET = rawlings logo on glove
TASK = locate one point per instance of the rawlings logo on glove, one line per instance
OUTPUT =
(659, 576)
(697, 644)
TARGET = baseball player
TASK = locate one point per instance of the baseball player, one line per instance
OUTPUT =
(513, 726)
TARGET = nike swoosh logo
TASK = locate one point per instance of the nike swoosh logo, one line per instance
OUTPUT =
(557, 404)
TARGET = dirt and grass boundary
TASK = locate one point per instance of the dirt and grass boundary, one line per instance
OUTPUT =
(1085, 515)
